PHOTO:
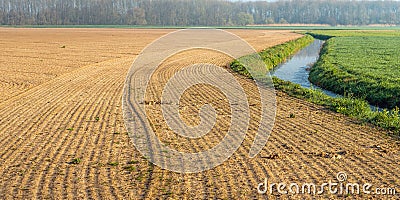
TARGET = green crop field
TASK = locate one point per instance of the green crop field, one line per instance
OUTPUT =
(383, 32)
(364, 65)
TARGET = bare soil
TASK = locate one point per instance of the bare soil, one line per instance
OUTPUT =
(62, 134)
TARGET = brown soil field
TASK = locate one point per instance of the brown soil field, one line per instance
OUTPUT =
(60, 104)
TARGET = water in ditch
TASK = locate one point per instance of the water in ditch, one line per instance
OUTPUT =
(297, 68)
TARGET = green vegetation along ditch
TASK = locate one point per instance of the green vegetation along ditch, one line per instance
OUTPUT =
(275, 55)
(353, 107)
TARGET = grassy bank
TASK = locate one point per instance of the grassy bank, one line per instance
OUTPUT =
(273, 56)
(352, 107)
(366, 67)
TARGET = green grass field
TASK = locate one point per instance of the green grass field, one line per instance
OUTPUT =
(327, 34)
(365, 65)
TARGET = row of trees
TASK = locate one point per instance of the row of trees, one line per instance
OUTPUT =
(197, 12)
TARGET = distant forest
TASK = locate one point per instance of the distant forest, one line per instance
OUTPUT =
(197, 12)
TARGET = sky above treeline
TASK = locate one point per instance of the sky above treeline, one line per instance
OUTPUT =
(254, 0)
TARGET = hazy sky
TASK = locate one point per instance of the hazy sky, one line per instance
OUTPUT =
(254, 0)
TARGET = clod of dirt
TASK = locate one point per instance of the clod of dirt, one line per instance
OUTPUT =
(375, 147)
(341, 152)
(337, 157)
(272, 156)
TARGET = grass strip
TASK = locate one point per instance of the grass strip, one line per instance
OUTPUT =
(353, 107)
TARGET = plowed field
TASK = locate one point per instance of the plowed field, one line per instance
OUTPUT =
(62, 133)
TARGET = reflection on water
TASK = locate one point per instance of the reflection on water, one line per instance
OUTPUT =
(297, 68)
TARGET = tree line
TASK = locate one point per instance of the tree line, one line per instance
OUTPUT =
(197, 12)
